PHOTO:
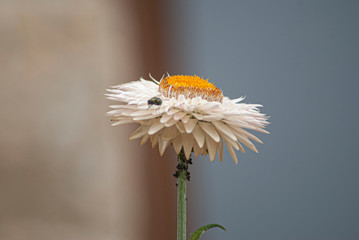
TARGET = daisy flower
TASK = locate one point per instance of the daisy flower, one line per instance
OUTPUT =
(186, 112)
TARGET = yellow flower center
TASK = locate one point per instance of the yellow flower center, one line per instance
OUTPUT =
(190, 87)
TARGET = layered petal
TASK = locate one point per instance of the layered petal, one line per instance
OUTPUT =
(192, 114)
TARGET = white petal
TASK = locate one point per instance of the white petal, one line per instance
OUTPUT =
(231, 121)
(248, 134)
(231, 151)
(177, 144)
(128, 113)
(261, 130)
(177, 116)
(122, 121)
(134, 107)
(141, 113)
(248, 143)
(139, 132)
(188, 108)
(204, 150)
(187, 140)
(190, 125)
(241, 124)
(198, 116)
(169, 133)
(115, 112)
(181, 99)
(212, 117)
(185, 118)
(237, 99)
(210, 130)
(235, 144)
(199, 135)
(180, 127)
(162, 145)
(220, 151)
(240, 147)
(154, 140)
(173, 111)
(166, 108)
(212, 147)
(170, 123)
(144, 139)
(145, 117)
(165, 118)
(208, 106)
(196, 149)
(157, 126)
(224, 129)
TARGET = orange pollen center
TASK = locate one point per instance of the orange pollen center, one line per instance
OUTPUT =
(190, 87)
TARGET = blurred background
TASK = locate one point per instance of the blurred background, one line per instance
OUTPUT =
(66, 174)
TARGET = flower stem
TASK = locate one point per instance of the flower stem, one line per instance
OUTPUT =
(182, 176)
(181, 206)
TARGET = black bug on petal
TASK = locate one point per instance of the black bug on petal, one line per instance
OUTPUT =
(154, 101)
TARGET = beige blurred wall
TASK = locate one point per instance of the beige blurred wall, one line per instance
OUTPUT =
(64, 172)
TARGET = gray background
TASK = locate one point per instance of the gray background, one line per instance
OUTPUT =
(300, 60)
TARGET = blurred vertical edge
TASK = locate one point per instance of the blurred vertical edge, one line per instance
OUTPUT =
(64, 172)
(160, 181)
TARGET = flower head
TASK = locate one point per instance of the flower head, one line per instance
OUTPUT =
(187, 112)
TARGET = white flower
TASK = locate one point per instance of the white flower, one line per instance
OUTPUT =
(188, 112)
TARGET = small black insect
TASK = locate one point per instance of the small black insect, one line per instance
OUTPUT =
(154, 101)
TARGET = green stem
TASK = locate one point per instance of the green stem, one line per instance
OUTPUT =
(182, 175)
(181, 207)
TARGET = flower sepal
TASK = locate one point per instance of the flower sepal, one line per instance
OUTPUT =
(198, 233)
